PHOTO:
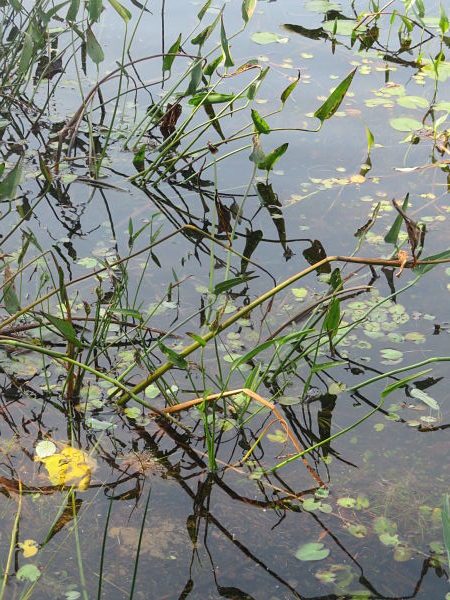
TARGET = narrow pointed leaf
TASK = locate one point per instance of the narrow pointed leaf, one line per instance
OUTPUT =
(290, 88)
(421, 269)
(248, 7)
(392, 235)
(196, 76)
(228, 62)
(121, 10)
(65, 328)
(259, 123)
(270, 159)
(168, 60)
(95, 8)
(203, 10)
(333, 102)
(9, 185)
(73, 10)
(173, 356)
(93, 48)
(27, 53)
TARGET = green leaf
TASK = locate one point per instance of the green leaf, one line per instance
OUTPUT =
(421, 269)
(443, 20)
(45, 170)
(228, 62)
(196, 77)
(260, 124)
(267, 37)
(248, 7)
(168, 60)
(270, 159)
(139, 158)
(405, 124)
(197, 338)
(27, 53)
(128, 312)
(288, 91)
(428, 400)
(73, 10)
(28, 572)
(330, 106)
(173, 356)
(201, 13)
(121, 10)
(312, 551)
(257, 155)
(333, 317)
(93, 48)
(357, 531)
(212, 66)
(95, 8)
(392, 235)
(397, 384)
(201, 38)
(412, 102)
(9, 185)
(224, 286)
(445, 516)
(212, 98)
(370, 140)
(65, 328)
(389, 540)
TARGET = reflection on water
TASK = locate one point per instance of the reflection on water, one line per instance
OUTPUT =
(154, 521)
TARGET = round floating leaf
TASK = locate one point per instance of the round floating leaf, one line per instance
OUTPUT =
(336, 388)
(312, 551)
(358, 531)
(266, 37)
(45, 448)
(389, 540)
(383, 525)
(412, 102)
(391, 354)
(347, 502)
(341, 26)
(132, 412)
(300, 292)
(28, 573)
(289, 400)
(405, 124)
(402, 553)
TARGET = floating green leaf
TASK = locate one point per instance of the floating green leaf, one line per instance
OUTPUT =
(425, 398)
(266, 37)
(173, 356)
(330, 106)
(405, 124)
(412, 102)
(312, 551)
(28, 572)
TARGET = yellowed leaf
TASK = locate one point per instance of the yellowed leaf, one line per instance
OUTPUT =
(29, 548)
(357, 179)
(68, 467)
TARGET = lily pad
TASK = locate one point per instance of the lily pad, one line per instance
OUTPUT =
(312, 551)
(266, 37)
(405, 124)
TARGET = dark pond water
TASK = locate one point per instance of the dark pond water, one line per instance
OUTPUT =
(127, 506)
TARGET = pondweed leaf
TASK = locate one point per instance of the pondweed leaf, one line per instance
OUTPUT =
(73, 10)
(260, 124)
(212, 98)
(201, 38)
(270, 159)
(267, 37)
(228, 61)
(65, 328)
(27, 53)
(405, 124)
(248, 7)
(445, 516)
(288, 91)
(95, 8)
(330, 106)
(392, 235)
(423, 397)
(168, 59)
(421, 269)
(121, 10)
(9, 185)
(93, 48)
(201, 13)
(312, 551)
